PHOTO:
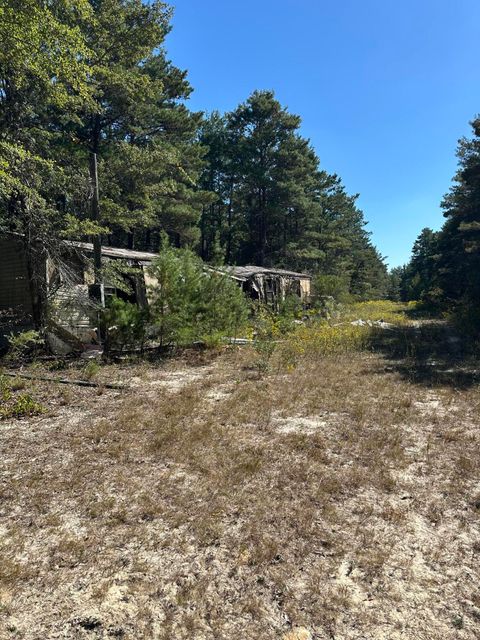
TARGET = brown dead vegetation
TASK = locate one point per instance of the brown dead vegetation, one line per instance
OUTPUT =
(212, 501)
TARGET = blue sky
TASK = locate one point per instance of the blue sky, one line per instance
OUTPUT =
(384, 87)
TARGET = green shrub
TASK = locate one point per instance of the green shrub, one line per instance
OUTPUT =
(265, 323)
(265, 349)
(5, 389)
(90, 370)
(329, 285)
(191, 302)
(223, 309)
(291, 310)
(16, 384)
(12, 406)
(25, 344)
(466, 319)
(125, 325)
(23, 405)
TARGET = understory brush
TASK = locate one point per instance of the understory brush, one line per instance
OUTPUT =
(319, 337)
(24, 345)
(378, 310)
(13, 405)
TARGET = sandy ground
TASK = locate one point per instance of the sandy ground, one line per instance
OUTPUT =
(210, 501)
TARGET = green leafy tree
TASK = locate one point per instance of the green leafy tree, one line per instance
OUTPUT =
(42, 67)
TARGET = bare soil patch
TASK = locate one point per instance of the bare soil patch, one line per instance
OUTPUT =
(211, 501)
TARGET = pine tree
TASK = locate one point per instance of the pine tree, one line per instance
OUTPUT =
(190, 302)
(137, 126)
(258, 130)
(395, 284)
(458, 264)
(275, 206)
(419, 277)
(217, 230)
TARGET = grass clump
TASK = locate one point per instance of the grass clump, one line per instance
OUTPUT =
(21, 406)
(90, 370)
(16, 406)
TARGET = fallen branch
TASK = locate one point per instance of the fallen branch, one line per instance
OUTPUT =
(80, 383)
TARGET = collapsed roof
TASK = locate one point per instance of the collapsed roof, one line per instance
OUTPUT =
(249, 271)
(239, 273)
(143, 257)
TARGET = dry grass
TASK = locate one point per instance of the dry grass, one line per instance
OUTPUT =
(336, 499)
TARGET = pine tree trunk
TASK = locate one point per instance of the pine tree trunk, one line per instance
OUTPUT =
(95, 206)
(95, 216)
(228, 253)
(36, 263)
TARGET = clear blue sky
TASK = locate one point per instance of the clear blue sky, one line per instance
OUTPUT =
(384, 87)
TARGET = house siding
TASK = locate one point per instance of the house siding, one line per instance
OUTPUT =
(15, 294)
(72, 309)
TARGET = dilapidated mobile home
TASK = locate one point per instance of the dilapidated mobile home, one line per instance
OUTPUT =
(271, 286)
(72, 298)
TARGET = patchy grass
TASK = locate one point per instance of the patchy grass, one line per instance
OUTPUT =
(14, 405)
(339, 335)
(376, 310)
(214, 500)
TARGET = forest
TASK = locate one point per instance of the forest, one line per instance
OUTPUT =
(92, 80)
(444, 270)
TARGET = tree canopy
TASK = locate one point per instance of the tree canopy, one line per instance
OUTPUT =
(275, 206)
(444, 270)
(92, 78)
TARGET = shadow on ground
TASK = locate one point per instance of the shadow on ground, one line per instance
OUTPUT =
(429, 353)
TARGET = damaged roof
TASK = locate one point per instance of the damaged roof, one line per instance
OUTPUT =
(243, 273)
(115, 252)
(238, 273)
